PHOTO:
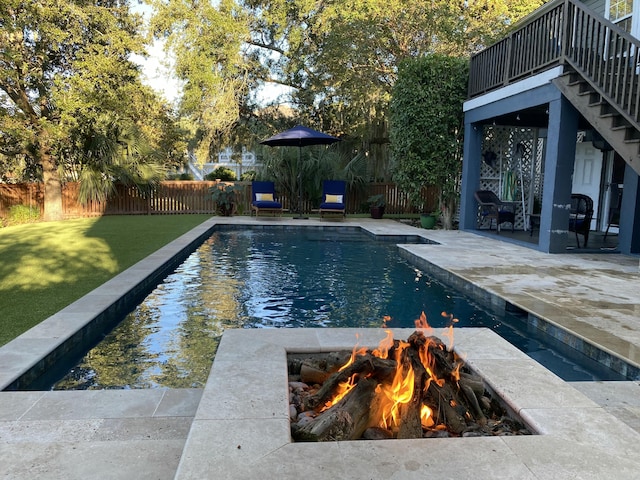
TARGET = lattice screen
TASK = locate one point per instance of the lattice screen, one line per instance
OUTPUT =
(513, 167)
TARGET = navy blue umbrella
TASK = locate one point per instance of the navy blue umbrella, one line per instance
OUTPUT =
(300, 136)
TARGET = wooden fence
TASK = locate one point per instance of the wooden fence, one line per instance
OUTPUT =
(184, 197)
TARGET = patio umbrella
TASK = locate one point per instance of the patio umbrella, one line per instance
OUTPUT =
(299, 136)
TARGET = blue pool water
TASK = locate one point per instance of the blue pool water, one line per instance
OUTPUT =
(276, 277)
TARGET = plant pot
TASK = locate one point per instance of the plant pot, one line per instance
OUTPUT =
(377, 212)
(428, 221)
(225, 211)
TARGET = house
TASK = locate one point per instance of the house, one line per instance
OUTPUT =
(554, 109)
(238, 163)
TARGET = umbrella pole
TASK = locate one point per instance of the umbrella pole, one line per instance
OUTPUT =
(299, 216)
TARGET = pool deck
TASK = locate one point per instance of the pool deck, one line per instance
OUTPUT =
(589, 429)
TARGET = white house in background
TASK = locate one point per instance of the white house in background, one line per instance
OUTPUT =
(248, 161)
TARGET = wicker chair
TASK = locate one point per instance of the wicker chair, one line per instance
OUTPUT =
(492, 208)
(580, 216)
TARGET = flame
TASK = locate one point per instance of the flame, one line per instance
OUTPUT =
(345, 387)
(398, 393)
(384, 346)
(391, 397)
(422, 324)
(342, 390)
(426, 417)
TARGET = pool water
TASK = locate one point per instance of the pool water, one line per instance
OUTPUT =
(285, 278)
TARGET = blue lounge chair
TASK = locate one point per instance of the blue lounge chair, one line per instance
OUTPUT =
(333, 197)
(263, 198)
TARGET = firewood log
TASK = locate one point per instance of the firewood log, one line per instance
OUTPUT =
(474, 404)
(474, 382)
(310, 374)
(346, 420)
(410, 413)
(363, 366)
(447, 407)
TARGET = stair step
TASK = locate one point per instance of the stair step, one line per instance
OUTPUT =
(595, 99)
(583, 93)
(574, 78)
(606, 110)
(619, 123)
(632, 135)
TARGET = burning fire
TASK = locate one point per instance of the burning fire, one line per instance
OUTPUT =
(391, 398)
(418, 388)
(345, 387)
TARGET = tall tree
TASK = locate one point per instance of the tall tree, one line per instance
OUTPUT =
(206, 41)
(340, 58)
(45, 47)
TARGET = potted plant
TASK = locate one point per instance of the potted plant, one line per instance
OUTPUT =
(225, 197)
(376, 205)
(428, 220)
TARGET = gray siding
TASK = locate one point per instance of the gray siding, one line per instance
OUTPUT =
(596, 5)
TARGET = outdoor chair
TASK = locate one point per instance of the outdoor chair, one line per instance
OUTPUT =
(580, 216)
(492, 208)
(614, 210)
(333, 197)
(263, 198)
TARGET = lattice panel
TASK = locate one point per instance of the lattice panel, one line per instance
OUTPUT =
(512, 167)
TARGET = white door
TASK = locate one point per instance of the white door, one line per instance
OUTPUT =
(586, 175)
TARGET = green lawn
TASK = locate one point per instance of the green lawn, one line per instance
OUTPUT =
(46, 266)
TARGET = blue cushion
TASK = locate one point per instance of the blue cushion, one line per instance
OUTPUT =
(267, 204)
(332, 206)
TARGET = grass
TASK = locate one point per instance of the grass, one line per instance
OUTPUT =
(46, 266)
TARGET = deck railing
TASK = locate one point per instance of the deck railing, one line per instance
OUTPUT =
(565, 32)
(184, 197)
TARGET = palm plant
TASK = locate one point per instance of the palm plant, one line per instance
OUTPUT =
(110, 152)
(317, 164)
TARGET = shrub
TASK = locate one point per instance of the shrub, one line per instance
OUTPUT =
(427, 124)
(223, 173)
(22, 214)
(180, 176)
(249, 176)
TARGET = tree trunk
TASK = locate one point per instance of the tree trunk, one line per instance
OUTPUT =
(52, 185)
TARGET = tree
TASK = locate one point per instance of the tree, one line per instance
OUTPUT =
(427, 126)
(340, 59)
(206, 41)
(48, 50)
(127, 135)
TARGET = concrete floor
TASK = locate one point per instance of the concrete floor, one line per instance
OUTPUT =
(142, 434)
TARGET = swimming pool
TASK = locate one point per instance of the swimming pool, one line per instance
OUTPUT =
(287, 277)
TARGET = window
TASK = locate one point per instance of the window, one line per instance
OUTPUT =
(620, 13)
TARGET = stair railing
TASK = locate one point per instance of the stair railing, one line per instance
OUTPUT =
(565, 32)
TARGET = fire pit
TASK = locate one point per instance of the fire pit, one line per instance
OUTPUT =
(401, 389)
(242, 428)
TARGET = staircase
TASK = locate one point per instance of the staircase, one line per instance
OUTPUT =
(622, 133)
(601, 64)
